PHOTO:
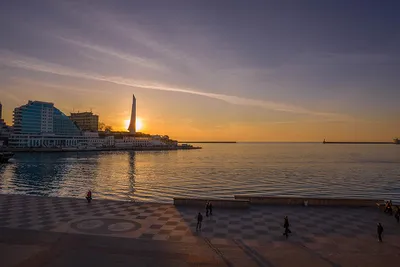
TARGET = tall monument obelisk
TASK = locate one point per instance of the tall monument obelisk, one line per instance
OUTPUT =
(132, 125)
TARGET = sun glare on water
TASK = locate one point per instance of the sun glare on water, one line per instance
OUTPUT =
(139, 124)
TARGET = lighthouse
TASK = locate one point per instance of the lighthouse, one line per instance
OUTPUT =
(132, 125)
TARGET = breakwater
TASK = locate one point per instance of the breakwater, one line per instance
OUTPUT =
(361, 143)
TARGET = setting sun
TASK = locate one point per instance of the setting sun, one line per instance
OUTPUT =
(139, 124)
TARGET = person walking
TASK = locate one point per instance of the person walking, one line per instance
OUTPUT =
(210, 207)
(207, 208)
(379, 229)
(286, 226)
(199, 220)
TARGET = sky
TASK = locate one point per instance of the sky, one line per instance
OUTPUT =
(210, 70)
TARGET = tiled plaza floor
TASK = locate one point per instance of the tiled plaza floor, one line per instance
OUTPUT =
(325, 230)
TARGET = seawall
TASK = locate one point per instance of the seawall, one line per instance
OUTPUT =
(310, 201)
(245, 201)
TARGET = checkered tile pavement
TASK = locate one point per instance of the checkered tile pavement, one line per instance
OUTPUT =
(257, 225)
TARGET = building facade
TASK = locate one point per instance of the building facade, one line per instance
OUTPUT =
(86, 121)
(1, 111)
(38, 117)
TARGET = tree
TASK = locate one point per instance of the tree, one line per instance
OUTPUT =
(108, 128)
(102, 126)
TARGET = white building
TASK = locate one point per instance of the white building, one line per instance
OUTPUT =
(89, 140)
(131, 142)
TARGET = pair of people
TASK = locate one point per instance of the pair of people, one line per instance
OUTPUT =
(209, 208)
(388, 207)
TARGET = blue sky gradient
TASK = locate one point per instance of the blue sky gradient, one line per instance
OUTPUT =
(244, 70)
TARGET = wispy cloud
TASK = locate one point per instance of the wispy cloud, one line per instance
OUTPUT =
(11, 96)
(40, 66)
(59, 87)
(144, 62)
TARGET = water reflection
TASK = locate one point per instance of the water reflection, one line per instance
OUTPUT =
(45, 173)
(131, 174)
(3, 179)
(216, 171)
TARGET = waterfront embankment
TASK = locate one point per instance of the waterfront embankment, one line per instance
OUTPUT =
(208, 142)
(53, 231)
(48, 149)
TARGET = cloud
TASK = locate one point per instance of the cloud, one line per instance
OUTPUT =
(144, 62)
(37, 65)
(59, 87)
(11, 96)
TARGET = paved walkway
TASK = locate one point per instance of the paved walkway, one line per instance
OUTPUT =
(322, 236)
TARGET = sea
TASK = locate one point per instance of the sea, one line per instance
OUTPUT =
(216, 171)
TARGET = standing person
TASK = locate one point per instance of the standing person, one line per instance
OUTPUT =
(89, 196)
(397, 214)
(286, 226)
(210, 207)
(199, 220)
(207, 208)
(379, 229)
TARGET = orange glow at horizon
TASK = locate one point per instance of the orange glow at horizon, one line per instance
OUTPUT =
(139, 124)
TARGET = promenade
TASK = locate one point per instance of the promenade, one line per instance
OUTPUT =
(46, 231)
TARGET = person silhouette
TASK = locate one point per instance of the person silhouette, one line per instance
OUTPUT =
(379, 229)
(397, 214)
(199, 220)
(89, 196)
(286, 226)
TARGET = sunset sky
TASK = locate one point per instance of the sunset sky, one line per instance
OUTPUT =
(210, 70)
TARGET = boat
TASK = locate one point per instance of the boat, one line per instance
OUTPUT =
(5, 156)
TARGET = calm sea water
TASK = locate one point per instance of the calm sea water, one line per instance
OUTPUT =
(218, 170)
